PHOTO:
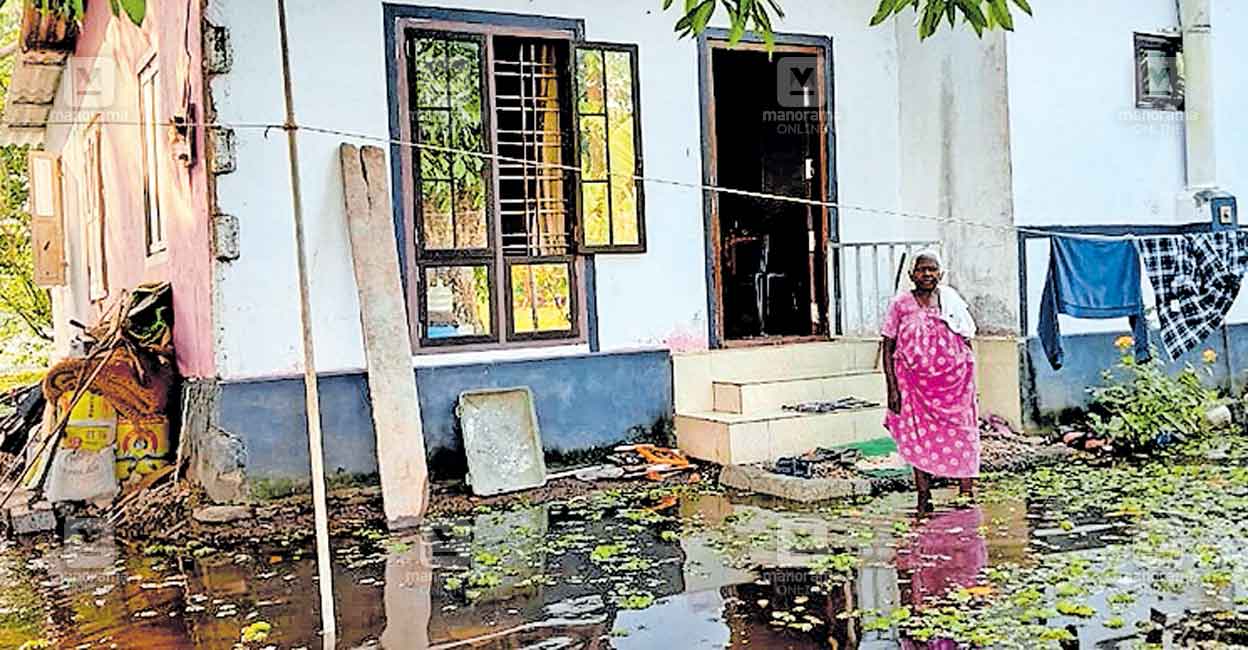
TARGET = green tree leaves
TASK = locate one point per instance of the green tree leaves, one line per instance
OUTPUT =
(981, 15)
(25, 309)
(743, 16)
(756, 15)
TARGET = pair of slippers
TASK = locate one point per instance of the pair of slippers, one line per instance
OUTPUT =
(804, 466)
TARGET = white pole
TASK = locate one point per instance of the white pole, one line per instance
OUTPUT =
(324, 567)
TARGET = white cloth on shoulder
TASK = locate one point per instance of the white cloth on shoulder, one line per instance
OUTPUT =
(956, 313)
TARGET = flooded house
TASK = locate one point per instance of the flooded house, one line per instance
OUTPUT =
(645, 231)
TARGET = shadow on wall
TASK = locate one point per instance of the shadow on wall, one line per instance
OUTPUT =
(583, 403)
(1056, 396)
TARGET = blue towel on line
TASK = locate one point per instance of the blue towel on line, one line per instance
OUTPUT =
(1095, 279)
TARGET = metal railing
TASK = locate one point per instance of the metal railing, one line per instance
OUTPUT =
(866, 276)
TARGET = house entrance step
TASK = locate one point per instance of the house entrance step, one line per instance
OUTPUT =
(695, 374)
(735, 439)
(803, 359)
(769, 394)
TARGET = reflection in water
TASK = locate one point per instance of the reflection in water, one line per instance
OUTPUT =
(721, 572)
(409, 596)
(948, 552)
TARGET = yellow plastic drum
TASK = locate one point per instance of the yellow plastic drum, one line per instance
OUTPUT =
(142, 447)
(91, 425)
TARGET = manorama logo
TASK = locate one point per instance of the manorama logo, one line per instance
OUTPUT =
(797, 82)
(93, 82)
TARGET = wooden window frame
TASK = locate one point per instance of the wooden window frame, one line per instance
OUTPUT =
(503, 334)
(456, 342)
(574, 302)
(154, 226)
(417, 196)
(95, 224)
(638, 154)
(1169, 44)
(47, 222)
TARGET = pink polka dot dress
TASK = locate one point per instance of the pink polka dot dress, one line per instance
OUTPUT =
(937, 429)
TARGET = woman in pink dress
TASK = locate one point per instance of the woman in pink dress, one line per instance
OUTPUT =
(930, 369)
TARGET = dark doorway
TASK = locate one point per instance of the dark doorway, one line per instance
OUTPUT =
(769, 118)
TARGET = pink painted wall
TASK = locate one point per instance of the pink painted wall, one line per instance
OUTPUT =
(184, 202)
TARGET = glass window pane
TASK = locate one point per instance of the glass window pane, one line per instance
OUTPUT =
(590, 81)
(434, 129)
(541, 298)
(467, 137)
(431, 70)
(596, 209)
(594, 148)
(1159, 70)
(619, 83)
(457, 302)
(624, 229)
(465, 76)
(466, 101)
(435, 202)
(470, 223)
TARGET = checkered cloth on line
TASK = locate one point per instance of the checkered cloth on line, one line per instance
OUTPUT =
(1195, 280)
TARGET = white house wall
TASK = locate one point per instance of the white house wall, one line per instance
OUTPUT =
(72, 300)
(1229, 52)
(955, 166)
(1082, 153)
(339, 77)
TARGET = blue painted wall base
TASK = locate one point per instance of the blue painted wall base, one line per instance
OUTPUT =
(1049, 394)
(583, 403)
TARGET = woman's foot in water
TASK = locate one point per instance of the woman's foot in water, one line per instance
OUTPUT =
(923, 486)
(966, 491)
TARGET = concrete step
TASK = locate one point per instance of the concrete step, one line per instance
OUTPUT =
(694, 373)
(842, 355)
(773, 393)
(734, 439)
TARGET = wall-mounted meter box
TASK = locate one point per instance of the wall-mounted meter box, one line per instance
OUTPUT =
(1225, 213)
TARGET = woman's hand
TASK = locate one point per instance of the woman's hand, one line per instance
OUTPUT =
(894, 401)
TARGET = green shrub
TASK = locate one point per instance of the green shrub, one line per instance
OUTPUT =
(1141, 401)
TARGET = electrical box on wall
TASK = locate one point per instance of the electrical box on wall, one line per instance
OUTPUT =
(1225, 212)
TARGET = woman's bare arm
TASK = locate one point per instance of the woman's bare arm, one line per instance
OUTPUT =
(890, 375)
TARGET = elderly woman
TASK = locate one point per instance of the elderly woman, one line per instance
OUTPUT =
(930, 369)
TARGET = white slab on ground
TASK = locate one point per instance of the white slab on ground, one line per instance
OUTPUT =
(501, 441)
(387, 337)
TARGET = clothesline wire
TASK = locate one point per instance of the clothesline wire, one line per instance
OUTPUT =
(704, 187)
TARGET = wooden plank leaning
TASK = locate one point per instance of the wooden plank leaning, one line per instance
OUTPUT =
(387, 337)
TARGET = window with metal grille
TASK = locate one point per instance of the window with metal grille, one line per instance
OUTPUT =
(498, 174)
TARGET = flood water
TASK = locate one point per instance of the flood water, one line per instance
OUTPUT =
(696, 569)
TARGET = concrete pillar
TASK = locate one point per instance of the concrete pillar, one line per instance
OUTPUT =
(1202, 162)
(955, 158)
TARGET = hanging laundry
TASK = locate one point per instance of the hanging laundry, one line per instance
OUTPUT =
(1095, 279)
(1195, 279)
